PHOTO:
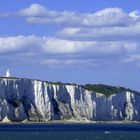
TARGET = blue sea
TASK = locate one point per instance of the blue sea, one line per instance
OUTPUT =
(70, 132)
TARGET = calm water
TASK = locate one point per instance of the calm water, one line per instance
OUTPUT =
(70, 132)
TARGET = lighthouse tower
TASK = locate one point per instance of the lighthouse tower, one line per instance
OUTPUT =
(8, 73)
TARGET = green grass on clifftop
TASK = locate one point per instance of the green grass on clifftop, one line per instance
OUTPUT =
(107, 89)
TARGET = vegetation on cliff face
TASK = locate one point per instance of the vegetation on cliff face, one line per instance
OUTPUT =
(107, 89)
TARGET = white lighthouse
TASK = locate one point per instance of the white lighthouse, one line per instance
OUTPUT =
(8, 73)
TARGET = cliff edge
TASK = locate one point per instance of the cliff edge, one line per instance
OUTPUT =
(41, 101)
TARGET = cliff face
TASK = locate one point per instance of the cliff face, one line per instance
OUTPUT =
(32, 100)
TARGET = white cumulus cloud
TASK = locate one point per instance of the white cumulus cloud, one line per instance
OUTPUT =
(53, 45)
(108, 35)
(55, 52)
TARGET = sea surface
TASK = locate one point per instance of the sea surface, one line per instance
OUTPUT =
(69, 131)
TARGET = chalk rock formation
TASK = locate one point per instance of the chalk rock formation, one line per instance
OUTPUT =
(34, 100)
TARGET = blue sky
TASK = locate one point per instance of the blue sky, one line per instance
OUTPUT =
(72, 41)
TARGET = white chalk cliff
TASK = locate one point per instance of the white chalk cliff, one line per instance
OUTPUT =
(34, 100)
